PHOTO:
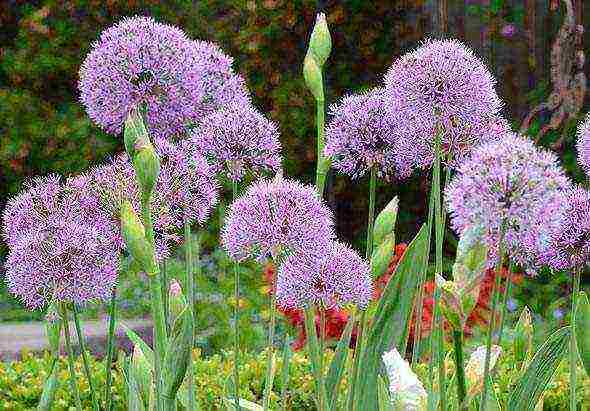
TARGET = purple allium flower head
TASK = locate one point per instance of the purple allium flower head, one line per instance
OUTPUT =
(583, 145)
(332, 279)
(67, 250)
(187, 185)
(442, 87)
(569, 236)
(359, 136)
(140, 62)
(509, 182)
(277, 217)
(239, 139)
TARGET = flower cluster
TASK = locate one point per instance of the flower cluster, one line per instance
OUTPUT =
(505, 186)
(569, 236)
(62, 246)
(274, 217)
(238, 139)
(583, 144)
(359, 136)
(336, 278)
(442, 87)
(142, 63)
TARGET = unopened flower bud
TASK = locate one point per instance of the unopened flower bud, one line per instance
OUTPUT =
(313, 77)
(475, 368)
(385, 222)
(147, 169)
(523, 338)
(406, 389)
(137, 244)
(451, 303)
(320, 43)
(176, 299)
(134, 134)
(142, 370)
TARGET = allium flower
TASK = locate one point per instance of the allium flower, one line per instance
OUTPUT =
(238, 139)
(186, 187)
(583, 145)
(407, 391)
(442, 87)
(359, 136)
(139, 62)
(569, 236)
(65, 251)
(334, 278)
(505, 182)
(276, 217)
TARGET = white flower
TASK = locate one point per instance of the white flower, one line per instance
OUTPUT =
(407, 392)
(476, 366)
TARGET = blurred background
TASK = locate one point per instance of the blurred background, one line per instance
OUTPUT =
(44, 129)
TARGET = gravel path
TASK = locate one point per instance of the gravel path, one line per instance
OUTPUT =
(15, 337)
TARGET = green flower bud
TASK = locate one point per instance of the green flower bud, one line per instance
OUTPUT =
(313, 77)
(137, 244)
(385, 222)
(382, 256)
(176, 298)
(142, 371)
(147, 169)
(320, 43)
(523, 339)
(134, 134)
(451, 306)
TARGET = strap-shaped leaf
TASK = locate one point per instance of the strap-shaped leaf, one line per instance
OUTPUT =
(583, 330)
(178, 354)
(385, 403)
(529, 389)
(338, 364)
(390, 324)
(49, 388)
(137, 340)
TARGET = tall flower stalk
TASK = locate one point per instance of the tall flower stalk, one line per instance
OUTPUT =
(573, 351)
(110, 349)
(190, 284)
(82, 344)
(236, 270)
(71, 358)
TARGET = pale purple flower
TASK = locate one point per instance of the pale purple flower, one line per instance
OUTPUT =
(65, 250)
(442, 87)
(333, 278)
(359, 136)
(583, 144)
(558, 314)
(276, 217)
(139, 62)
(508, 30)
(508, 182)
(238, 139)
(569, 236)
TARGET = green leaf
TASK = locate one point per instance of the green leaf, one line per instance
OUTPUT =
(385, 222)
(338, 364)
(136, 340)
(390, 326)
(382, 256)
(582, 330)
(49, 388)
(529, 389)
(384, 398)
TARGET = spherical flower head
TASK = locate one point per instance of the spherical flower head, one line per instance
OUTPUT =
(142, 63)
(238, 140)
(583, 145)
(569, 237)
(69, 250)
(276, 217)
(442, 88)
(331, 279)
(359, 136)
(506, 182)
(187, 189)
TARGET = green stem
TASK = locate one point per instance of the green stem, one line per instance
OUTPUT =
(73, 385)
(323, 163)
(271, 353)
(573, 352)
(322, 348)
(165, 290)
(507, 290)
(420, 302)
(496, 296)
(359, 344)
(314, 354)
(82, 344)
(110, 349)
(439, 238)
(190, 285)
(285, 372)
(461, 387)
(236, 267)
(160, 335)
